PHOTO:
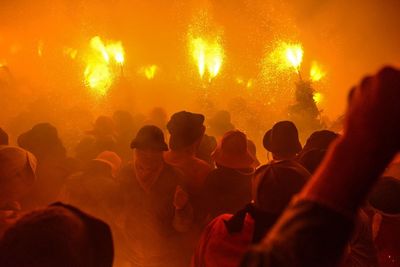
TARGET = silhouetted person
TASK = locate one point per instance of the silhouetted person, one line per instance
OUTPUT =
(226, 239)
(187, 130)
(95, 189)
(59, 235)
(316, 227)
(315, 149)
(53, 165)
(157, 207)
(228, 188)
(101, 138)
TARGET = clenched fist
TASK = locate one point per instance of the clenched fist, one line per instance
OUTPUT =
(373, 116)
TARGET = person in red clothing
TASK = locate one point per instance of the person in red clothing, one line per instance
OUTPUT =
(227, 238)
(187, 130)
(316, 227)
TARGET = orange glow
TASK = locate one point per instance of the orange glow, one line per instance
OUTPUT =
(294, 55)
(149, 71)
(318, 97)
(286, 56)
(316, 72)
(208, 56)
(70, 52)
(102, 63)
(40, 48)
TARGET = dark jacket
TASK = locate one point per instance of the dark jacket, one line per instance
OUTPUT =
(308, 234)
(226, 191)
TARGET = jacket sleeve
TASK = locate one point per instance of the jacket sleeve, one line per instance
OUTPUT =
(308, 234)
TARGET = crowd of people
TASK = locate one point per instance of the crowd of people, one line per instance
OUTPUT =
(175, 193)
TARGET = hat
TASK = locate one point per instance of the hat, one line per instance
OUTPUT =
(320, 140)
(42, 140)
(112, 159)
(282, 138)
(232, 152)
(150, 137)
(185, 129)
(103, 125)
(275, 184)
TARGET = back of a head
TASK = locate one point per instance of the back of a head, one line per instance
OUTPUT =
(320, 140)
(185, 128)
(282, 139)
(312, 159)
(55, 236)
(385, 196)
(275, 184)
(43, 141)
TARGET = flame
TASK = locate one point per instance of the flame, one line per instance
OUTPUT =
(318, 97)
(294, 55)
(101, 64)
(208, 55)
(316, 72)
(149, 71)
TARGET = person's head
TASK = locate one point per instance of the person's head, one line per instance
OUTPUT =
(315, 149)
(59, 235)
(43, 141)
(320, 140)
(221, 123)
(149, 146)
(103, 126)
(111, 160)
(385, 196)
(3, 137)
(233, 152)
(186, 130)
(282, 140)
(275, 184)
(17, 173)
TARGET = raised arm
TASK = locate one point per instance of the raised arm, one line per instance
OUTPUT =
(316, 227)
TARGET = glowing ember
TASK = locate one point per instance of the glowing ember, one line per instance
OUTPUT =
(248, 83)
(294, 55)
(102, 64)
(70, 52)
(149, 71)
(316, 72)
(318, 97)
(208, 56)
